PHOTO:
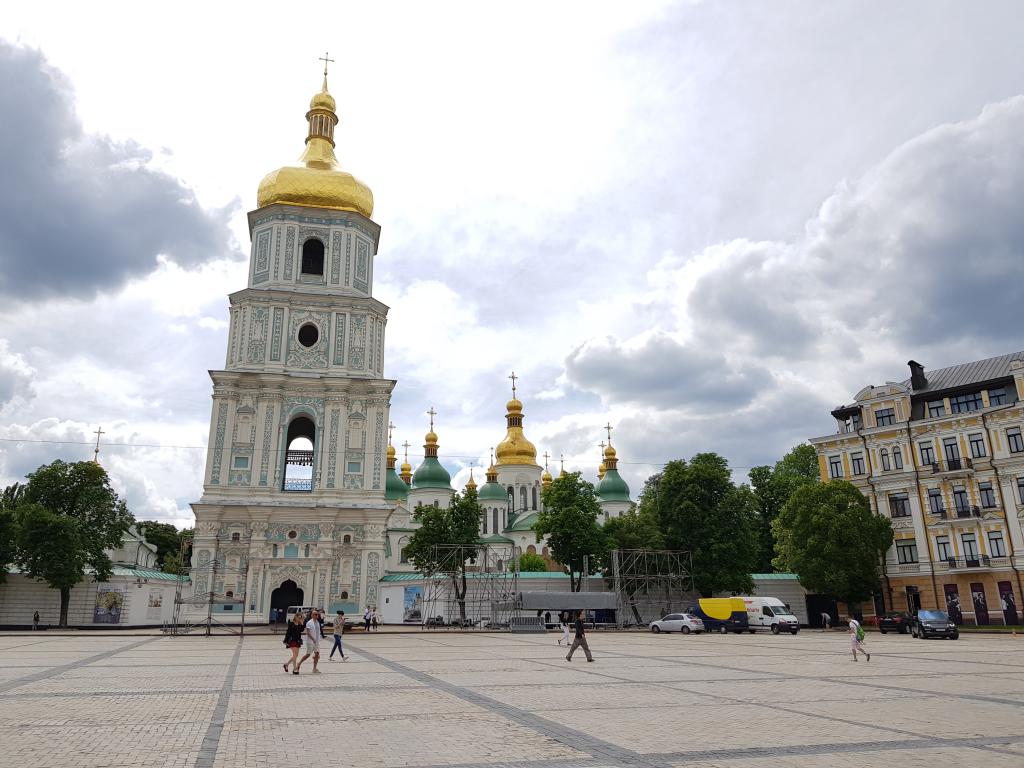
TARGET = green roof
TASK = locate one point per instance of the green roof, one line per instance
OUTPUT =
(494, 538)
(493, 492)
(524, 522)
(430, 474)
(774, 576)
(399, 577)
(395, 487)
(612, 487)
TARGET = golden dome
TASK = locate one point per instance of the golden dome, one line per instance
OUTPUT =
(406, 468)
(471, 483)
(391, 451)
(318, 182)
(601, 469)
(430, 438)
(515, 448)
(609, 452)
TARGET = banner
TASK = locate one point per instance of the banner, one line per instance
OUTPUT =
(412, 605)
(155, 604)
(1007, 603)
(109, 604)
(980, 606)
(953, 603)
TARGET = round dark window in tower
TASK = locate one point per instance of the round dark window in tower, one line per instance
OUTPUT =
(308, 335)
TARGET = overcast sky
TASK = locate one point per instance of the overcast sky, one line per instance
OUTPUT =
(707, 223)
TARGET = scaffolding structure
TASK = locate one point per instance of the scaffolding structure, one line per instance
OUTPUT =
(209, 583)
(491, 579)
(651, 583)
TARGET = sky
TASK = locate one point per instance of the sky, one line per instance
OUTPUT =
(706, 224)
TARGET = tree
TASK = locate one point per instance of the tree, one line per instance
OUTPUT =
(772, 487)
(68, 516)
(700, 510)
(529, 562)
(827, 535)
(634, 530)
(446, 539)
(164, 536)
(569, 520)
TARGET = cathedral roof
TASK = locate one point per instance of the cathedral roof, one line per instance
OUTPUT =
(524, 522)
(491, 490)
(431, 473)
(515, 448)
(318, 182)
(612, 487)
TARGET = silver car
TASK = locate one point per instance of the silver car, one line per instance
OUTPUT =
(678, 622)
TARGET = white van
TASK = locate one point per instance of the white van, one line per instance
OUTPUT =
(770, 613)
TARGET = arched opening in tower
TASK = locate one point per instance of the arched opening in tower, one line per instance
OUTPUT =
(313, 257)
(298, 458)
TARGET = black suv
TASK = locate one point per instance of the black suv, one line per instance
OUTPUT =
(934, 624)
(896, 621)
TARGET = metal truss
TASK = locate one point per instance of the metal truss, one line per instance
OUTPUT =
(491, 587)
(651, 583)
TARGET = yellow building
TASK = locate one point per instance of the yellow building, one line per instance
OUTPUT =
(942, 455)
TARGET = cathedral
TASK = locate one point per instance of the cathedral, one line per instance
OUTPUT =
(302, 503)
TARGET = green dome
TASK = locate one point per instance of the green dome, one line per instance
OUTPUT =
(524, 522)
(430, 474)
(612, 487)
(395, 487)
(493, 492)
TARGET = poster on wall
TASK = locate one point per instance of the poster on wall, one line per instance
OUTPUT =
(980, 606)
(155, 604)
(953, 603)
(1007, 603)
(109, 604)
(412, 605)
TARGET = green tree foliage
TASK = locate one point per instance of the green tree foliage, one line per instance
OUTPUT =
(699, 509)
(827, 534)
(164, 536)
(569, 520)
(530, 562)
(446, 539)
(634, 530)
(772, 487)
(9, 500)
(68, 516)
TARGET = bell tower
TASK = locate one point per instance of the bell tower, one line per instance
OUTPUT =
(298, 435)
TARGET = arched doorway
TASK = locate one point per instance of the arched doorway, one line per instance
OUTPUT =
(287, 594)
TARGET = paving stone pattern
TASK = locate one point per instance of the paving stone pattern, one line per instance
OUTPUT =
(451, 700)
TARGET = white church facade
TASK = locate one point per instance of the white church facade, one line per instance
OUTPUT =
(302, 502)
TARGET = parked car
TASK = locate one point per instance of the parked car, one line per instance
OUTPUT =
(934, 624)
(678, 622)
(724, 614)
(770, 613)
(895, 621)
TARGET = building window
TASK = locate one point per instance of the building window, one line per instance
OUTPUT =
(354, 467)
(313, 257)
(1013, 439)
(965, 403)
(403, 554)
(970, 543)
(534, 498)
(1020, 489)
(997, 396)
(274, 551)
(977, 445)
(344, 595)
(495, 520)
(996, 544)
(857, 463)
(885, 417)
(346, 539)
(987, 494)
(886, 464)
(899, 505)
(906, 551)
(835, 467)
(236, 536)
(960, 500)
(942, 548)
(241, 462)
(897, 458)
(936, 408)
(309, 335)
(951, 449)
(927, 452)
(292, 534)
(935, 501)
(306, 551)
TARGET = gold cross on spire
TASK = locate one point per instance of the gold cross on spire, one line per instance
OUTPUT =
(602, 447)
(391, 432)
(432, 414)
(561, 459)
(546, 457)
(325, 60)
(406, 445)
(492, 456)
(609, 428)
(513, 377)
(96, 453)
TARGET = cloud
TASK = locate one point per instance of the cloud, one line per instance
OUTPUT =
(80, 213)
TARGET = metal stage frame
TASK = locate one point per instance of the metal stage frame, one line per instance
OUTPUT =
(206, 585)
(651, 583)
(491, 587)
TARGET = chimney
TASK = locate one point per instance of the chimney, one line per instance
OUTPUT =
(917, 377)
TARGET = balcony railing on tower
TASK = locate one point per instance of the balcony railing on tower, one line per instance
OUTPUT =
(295, 481)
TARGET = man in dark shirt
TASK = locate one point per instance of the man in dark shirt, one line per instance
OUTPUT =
(580, 639)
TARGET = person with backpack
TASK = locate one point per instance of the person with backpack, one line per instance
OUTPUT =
(857, 639)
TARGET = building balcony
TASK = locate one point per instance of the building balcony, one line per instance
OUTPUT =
(972, 563)
(967, 512)
(953, 467)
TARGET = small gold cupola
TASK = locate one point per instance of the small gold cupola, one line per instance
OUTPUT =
(515, 449)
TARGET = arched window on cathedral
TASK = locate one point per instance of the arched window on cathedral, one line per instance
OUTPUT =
(274, 551)
(306, 551)
(483, 522)
(495, 514)
(344, 595)
(403, 543)
(522, 499)
(313, 257)
(534, 498)
(235, 536)
(346, 539)
(298, 458)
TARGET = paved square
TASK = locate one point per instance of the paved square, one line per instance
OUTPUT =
(493, 700)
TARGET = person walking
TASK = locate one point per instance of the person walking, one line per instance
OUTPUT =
(825, 620)
(35, 621)
(311, 641)
(857, 639)
(366, 619)
(563, 619)
(339, 627)
(580, 640)
(293, 641)
(373, 620)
